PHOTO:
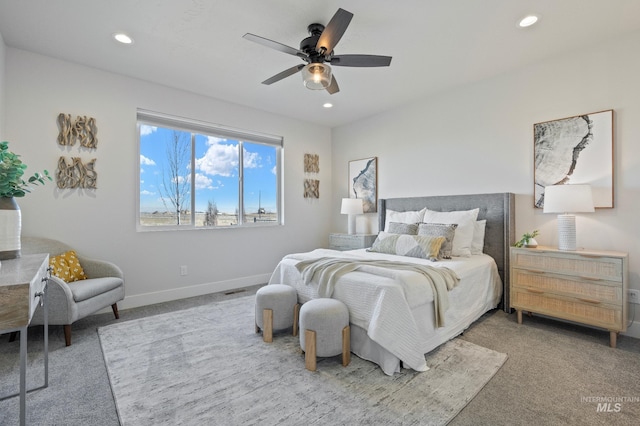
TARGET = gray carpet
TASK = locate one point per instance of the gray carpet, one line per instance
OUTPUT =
(205, 365)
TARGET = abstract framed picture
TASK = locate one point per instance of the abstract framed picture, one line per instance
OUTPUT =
(363, 182)
(575, 150)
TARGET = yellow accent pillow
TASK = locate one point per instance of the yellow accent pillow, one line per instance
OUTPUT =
(67, 267)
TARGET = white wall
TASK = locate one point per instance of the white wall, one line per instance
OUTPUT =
(479, 139)
(2, 86)
(101, 223)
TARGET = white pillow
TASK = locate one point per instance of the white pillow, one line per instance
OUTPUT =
(464, 232)
(477, 244)
(403, 217)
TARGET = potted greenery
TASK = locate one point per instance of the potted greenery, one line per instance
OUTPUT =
(528, 240)
(13, 185)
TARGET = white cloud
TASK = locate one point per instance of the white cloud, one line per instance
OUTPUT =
(251, 160)
(145, 129)
(274, 169)
(203, 182)
(146, 161)
(145, 192)
(219, 159)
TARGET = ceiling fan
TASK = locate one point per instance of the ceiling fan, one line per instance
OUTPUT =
(317, 51)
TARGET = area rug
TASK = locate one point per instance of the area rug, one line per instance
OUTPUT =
(206, 365)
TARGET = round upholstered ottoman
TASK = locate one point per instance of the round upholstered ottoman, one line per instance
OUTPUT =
(324, 331)
(276, 309)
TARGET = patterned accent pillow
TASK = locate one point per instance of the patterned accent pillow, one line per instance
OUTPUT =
(67, 267)
(403, 228)
(408, 245)
(446, 230)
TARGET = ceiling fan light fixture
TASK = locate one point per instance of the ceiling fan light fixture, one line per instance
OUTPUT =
(316, 76)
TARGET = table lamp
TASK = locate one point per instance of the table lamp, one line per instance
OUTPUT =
(567, 199)
(352, 207)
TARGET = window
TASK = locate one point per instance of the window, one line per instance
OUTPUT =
(200, 175)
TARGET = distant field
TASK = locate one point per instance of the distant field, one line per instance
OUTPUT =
(223, 219)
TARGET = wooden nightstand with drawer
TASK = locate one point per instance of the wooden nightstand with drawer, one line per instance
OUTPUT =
(351, 241)
(584, 286)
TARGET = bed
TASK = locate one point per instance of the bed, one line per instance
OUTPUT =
(393, 313)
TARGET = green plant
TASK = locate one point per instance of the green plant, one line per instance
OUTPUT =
(11, 171)
(526, 237)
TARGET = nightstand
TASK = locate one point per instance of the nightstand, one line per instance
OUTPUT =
(584, 286)
(351, 241)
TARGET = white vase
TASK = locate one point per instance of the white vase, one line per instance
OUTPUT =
(10, 228)
(532, 243)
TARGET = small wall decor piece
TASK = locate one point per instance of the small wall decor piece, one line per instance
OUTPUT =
(575, 150)
(363, 182)
(76, 174)
(83, 129)
(311, 188)
(311, 163)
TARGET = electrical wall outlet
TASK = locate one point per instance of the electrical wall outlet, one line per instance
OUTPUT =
(634, 296)
(183, 270)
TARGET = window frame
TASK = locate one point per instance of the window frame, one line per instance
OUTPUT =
(197, 127)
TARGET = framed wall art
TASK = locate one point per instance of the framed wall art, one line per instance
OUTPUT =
(575, 150)
(363, 182)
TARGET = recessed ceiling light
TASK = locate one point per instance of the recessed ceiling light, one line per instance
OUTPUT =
(327, 105)
(527, 21)
(123, 38)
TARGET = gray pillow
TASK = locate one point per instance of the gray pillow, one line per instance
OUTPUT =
(440, 230)
(403, 228)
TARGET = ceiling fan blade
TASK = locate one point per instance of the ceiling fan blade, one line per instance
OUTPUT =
(333, 86)
(275, 45)
(283, 74)
(333, 31)
(361, 61)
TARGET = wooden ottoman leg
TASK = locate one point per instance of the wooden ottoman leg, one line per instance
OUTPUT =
(310, 350)
(296, 314)
(267, 325)
(346, 346)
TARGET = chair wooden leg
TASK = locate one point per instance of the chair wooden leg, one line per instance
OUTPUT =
(267, 325)
(67, 334)
(114, 307)
(310, 350)
(12, 336)
(296, 314)
(346, 346)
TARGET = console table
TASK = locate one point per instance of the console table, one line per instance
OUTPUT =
(23, 283)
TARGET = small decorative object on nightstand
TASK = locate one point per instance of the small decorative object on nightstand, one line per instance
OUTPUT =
(351, 207)
(351, 241)
(585, 286)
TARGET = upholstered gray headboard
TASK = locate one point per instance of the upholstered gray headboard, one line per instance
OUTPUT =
(498, 209)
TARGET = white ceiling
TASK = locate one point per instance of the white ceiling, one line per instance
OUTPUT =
(197, 45)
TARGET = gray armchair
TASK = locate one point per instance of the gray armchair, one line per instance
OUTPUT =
(69, 302)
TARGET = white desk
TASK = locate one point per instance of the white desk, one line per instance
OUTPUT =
(23, 283)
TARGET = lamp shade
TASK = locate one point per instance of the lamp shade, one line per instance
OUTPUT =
(568, 199)
(316, 76)
(351, 206)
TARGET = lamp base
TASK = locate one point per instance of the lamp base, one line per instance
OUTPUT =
(352, 224)
(566, 232)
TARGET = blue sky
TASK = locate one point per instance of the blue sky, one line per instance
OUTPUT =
(216, 172)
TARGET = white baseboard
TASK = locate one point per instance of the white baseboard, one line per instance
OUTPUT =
(633, 330)
(137, 300)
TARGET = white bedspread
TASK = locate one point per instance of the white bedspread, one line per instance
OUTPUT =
(382, 301)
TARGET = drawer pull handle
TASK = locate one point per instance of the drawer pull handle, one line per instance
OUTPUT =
(590, 279)
(532, 290)
(591, 256)
(532, 271)
(595, 302)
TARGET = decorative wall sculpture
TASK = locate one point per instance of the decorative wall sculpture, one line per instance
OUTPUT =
(312, 166)
(363, 182)
(575, 150)
(311, 188)
(76, 174)
(311, 163)
(83, 129)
